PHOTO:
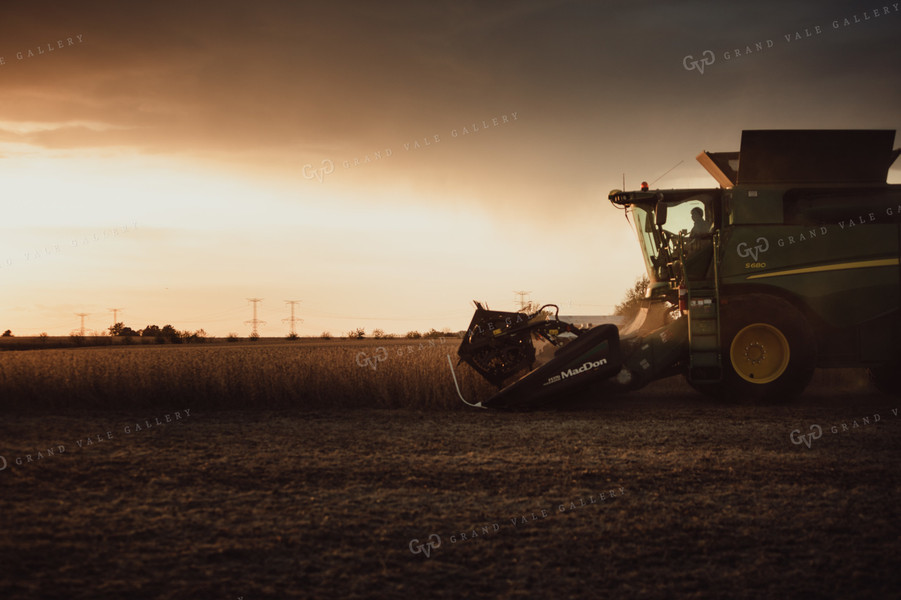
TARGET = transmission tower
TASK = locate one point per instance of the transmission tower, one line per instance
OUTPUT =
(522, 299)
(82, 315)
(292, 319)
(115, 312)
(254, 322)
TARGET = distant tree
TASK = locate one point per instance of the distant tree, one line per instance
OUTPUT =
(150, 331)
(254, 336)
(7, 333)
(195, 337)
(413, 335)
(119, 329)
(325, 335)
(433, 333)
(232, 337)
(292, 336)
(378, 334)
(170, 334)
(357, 334)
(631, 303)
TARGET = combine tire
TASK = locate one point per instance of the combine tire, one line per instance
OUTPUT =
(768, 350)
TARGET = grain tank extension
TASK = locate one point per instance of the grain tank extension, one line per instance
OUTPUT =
(791, 264)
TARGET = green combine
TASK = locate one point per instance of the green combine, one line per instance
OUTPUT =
(792, 264)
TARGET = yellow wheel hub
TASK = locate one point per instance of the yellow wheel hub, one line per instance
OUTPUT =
(759, 353)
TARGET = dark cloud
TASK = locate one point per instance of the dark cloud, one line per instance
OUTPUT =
(596, 83)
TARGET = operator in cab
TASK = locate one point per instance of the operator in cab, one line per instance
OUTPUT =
(699, 247)
(700, 226)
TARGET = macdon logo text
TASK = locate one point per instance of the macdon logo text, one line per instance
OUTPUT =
(587, 366)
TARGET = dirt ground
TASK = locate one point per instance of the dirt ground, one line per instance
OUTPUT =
(650, 495)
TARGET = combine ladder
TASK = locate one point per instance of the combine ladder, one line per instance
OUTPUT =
(704, 353)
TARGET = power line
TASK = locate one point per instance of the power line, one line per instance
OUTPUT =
(115, 312)
(82, 315)
(522, 300)
(255, 322)
(292, 319)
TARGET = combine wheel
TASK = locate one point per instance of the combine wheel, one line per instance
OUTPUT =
(768, 350)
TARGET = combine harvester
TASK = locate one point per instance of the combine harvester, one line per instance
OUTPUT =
(792, 264)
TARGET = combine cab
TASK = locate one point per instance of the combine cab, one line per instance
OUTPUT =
(792, 264)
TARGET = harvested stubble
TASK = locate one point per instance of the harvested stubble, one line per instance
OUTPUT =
(305, 376)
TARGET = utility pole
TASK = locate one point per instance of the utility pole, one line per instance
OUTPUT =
(522, 299)
(255, 322)
(82, 315)
(292, 319)
(115, 312)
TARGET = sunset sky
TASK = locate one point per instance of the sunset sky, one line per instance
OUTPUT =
(174, 161)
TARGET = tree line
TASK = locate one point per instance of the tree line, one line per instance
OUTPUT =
(360, 333)
(166, 333)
